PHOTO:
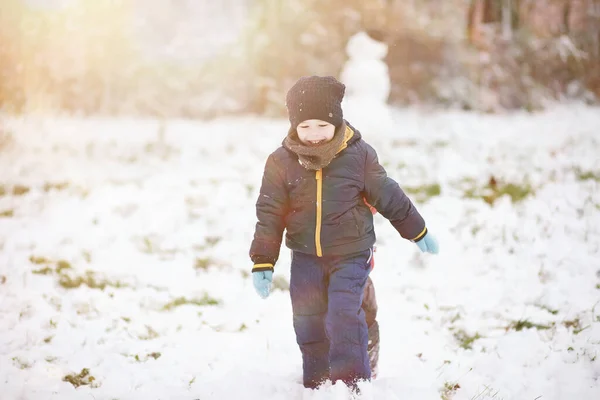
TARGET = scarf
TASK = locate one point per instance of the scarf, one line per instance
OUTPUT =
(316, 157)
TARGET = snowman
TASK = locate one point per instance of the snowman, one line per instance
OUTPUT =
(367, 81)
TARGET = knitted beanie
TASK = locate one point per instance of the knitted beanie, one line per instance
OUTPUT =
(316, 97)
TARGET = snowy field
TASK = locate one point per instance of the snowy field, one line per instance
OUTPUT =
(124, 271)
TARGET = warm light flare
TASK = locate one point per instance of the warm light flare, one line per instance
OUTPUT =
(52, 45)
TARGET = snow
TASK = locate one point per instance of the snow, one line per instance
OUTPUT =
(165, 211)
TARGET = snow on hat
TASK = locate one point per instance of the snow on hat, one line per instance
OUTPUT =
(316, 97)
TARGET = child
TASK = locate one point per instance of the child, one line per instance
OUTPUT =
(316, 187)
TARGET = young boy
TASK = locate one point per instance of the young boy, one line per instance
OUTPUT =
(316, 186)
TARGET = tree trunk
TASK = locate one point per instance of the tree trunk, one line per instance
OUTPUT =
(507, 20)
(474, 21)
(566, 13)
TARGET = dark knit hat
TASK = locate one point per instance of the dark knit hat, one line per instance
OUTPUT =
(316, 97)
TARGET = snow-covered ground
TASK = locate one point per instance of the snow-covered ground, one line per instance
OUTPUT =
(123, 257)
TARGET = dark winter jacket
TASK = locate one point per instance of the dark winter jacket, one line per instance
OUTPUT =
(324, 211)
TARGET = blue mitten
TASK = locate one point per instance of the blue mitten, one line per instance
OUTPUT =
(428, 244)
(262, 282)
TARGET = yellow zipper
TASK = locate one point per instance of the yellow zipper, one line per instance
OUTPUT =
(319, 178)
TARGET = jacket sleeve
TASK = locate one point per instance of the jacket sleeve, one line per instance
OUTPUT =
(389, 199)
(271, 207)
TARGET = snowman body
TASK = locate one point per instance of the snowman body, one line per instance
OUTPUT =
(367, 81)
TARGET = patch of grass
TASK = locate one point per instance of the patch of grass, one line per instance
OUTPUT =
(206, 300)
(154, 355)
(515, 192)
(526, 324)
(404, 143)
(573, 323)
(61, 265)
(55, 186)
(203, 263)
(465, 340)
(72, 282)
(48, 339)
(39, 260)
(449, 390)
(424, 192)
(587, 175)
(89, 280)
(493, 190)
(20, 190)
(280, 283)
(151, 245)
(546, 308)
(2, 190)
(147, 247)
(83, 378)
(7, 213)
(468, 180)
(150, 334)
(475, 229)
(441, 143)
(43, 271)
(242, 328)
(455, 318)
(209, 241)
(2, 279)
(20, 364)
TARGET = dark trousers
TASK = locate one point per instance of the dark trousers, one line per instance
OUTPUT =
(329, 316)
(369, 306)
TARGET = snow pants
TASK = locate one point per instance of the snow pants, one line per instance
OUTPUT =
(329, 316)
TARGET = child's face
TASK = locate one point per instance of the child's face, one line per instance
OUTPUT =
(314, 132)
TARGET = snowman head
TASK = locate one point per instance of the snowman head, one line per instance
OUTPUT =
(362, 46)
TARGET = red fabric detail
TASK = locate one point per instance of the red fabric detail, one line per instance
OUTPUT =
(373, 210)
(373, 258)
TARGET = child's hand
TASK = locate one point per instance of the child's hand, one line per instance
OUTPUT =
(262, 282)
(428, 244)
